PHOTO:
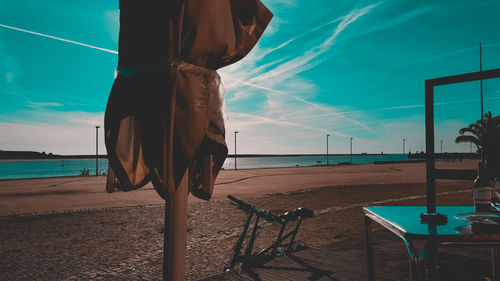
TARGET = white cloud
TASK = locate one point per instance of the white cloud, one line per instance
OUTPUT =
(42, 105)
(112, 22)
(70, 138)
(9, 77)
(301, 63)
(287, 95)
(58, 38)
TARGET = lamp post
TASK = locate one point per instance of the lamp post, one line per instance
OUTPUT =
(327, 149)
(350, 141)
(97, 150)
(235, 132)
(441, 146)
(404, 148)
(481, 69)
(482, 112)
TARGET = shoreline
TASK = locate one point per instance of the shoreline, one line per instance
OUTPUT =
(374, 162)
(23, 196)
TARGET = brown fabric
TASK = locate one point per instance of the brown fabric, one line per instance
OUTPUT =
(164, 112)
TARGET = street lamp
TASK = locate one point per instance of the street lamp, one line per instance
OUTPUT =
(404, 148)
(350, 140)
(327, 149)
(97, 150)
(235, 132)
(441, 146)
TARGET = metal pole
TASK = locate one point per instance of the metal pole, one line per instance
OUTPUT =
(429, 148)
(235, 149)
(481, 81)
(327, 149)
(441, 146)
(96, 151)
(175, 229)
(350, 140)
(404, 148)
(481, 69)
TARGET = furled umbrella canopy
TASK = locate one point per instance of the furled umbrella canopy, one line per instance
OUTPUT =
(165, 109)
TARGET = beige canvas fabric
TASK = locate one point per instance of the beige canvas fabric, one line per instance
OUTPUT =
(164, 112)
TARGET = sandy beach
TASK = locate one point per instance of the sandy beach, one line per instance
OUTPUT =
(71, 229)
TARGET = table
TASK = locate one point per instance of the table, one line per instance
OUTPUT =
(404, 221)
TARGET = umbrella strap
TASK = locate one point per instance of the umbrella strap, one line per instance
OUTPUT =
(129, 71)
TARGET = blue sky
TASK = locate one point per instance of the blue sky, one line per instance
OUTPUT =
(344, 68)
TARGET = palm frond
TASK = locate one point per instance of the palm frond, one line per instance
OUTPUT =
(471, 139)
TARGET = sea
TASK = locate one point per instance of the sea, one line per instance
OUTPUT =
(24, 169)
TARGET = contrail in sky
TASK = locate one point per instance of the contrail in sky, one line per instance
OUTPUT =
(60, 39)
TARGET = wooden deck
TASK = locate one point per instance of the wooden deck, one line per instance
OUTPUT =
(347, 261)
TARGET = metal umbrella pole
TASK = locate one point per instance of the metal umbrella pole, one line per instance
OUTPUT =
(235, 150)
(97, 150)
(327, 149)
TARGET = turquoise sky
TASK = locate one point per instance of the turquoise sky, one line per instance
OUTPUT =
(344, 68)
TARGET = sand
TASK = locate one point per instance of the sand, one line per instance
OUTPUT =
(76, 193)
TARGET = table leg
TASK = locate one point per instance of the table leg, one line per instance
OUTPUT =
(413, 259)
(430, 257)
(421, 268)
(416, 261)
(369, 249)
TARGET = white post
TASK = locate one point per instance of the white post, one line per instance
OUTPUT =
(174, 255)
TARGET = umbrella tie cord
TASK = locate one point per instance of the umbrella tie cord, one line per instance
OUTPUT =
(276, 248)
(129, 71)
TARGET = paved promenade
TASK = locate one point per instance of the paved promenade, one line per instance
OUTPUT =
(71, 229)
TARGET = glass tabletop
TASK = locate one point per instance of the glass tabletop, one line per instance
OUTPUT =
(461, 222)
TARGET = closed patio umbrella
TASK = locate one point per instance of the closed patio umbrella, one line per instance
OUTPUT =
(164, 118)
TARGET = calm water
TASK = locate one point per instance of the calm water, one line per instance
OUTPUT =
(56, 168)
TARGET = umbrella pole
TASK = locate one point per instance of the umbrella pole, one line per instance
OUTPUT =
(175, 229)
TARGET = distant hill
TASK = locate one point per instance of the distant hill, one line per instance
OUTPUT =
(8, 155)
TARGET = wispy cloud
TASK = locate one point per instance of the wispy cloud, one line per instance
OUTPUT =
(302, 63)
(284, 44)
(343, 113)
(58, 38)
(52, 131)
(253, 120)
(275, 80)
(42, 105)
(299, 83)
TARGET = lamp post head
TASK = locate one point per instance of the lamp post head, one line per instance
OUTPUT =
(235, 132)
(97, 127)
